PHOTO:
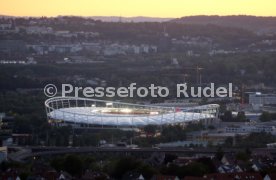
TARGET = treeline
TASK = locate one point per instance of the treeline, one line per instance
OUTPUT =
(143, 32)
(240, 117)
(238, 69)
(119, 168)
(253, 140)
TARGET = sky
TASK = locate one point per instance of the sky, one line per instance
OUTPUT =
(130, 8)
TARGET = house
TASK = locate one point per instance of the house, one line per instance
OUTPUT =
(235, 176)
(193, 178)
(244, 166)
(229, 164)
(51, 174)
(228, 159)
(229, 169)
(257, 166)
(262, 162)
(183, 161)
(10, 174)
(64, 176)
(133, 175)
(270, 176)
(94, 175)
(156, 159)
(164, 177)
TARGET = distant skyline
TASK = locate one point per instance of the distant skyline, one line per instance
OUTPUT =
(131, 8)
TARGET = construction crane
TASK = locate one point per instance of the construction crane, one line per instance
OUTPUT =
(198, 73)
(185, 75)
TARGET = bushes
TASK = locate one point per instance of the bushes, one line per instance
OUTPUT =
(265, 116)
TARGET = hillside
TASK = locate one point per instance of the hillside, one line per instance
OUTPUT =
(260, 25)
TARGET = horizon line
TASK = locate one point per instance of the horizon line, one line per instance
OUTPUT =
(25, 16)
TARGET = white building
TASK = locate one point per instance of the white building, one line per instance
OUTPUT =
(3, 154)
(38, 30)
(250, 129)
(5, 26)
(258, 100)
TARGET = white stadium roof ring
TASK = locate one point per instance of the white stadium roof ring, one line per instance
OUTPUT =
(118, 114)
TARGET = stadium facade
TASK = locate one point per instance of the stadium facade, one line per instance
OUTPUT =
(100, 113)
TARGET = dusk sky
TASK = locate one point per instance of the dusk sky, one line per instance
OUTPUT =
(153, 8)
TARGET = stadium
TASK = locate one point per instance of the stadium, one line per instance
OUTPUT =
(84, 112)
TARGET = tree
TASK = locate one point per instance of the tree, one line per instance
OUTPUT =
(211, 127)
(241, 116)
(124, 165)
(265, 116)
(73, 165)
(229, 142)
(57, 163)
(243, 156)
(147, 170)
(255, 140)
(194, 127)
(173, 133)
(150, 129)
(219, 154)
(227, 116)
(209, 163)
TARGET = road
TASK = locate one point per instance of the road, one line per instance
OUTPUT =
(23, 153)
